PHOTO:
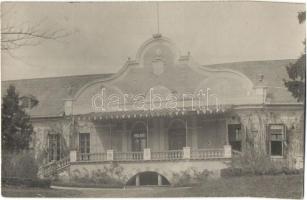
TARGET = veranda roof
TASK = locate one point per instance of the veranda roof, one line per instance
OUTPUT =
(130, 114)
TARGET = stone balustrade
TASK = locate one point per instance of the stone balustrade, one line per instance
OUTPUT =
(148, 155)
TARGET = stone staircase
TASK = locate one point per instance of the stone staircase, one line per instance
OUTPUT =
(53, 168)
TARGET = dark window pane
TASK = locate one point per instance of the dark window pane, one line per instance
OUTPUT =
(236, 145)
(276, 148)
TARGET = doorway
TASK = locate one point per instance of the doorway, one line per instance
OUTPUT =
(139, 137)
(177, 135)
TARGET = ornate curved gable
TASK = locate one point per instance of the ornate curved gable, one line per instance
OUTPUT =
(159, 64)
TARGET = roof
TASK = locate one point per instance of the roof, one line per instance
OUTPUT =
(51, 92)
(273, 73)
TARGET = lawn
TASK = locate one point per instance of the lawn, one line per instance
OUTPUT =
(10, 191)
(258, 186)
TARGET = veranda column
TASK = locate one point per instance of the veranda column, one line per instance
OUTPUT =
(110, 136)
(186, 132)
(194, 142)
(124, 137)
(227, 147)
(156, 135)
(162, 137)
(147, 139)
(226, 131)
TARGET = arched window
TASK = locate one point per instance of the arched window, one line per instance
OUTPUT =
(177, 135)
(139, 137)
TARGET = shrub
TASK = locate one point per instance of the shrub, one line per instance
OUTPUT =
(21, 165)
(190, 176)
(26, 182)
(7, 165)
(26, 166)
(229, 172)
(201, 175)
(108, 176)
(253, 163)
(88, 185)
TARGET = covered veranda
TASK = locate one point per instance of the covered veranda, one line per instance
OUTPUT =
(160, 135)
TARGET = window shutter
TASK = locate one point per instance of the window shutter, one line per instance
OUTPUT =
(268, 139)
(285, 136)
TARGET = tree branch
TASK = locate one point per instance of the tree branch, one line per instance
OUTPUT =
(17, 37)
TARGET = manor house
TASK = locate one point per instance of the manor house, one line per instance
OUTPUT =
(161, 114)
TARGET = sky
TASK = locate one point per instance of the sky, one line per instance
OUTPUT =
(101, 36)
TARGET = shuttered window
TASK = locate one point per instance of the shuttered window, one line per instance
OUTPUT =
(277, 135)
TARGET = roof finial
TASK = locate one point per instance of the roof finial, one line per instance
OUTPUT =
(260, 77)
(157, 35)
(158, 18)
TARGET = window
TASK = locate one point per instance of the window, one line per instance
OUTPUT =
(54, 152)
(25, 102)
(84, 145)
(277, 138)
(28, 101)
(235, 136)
